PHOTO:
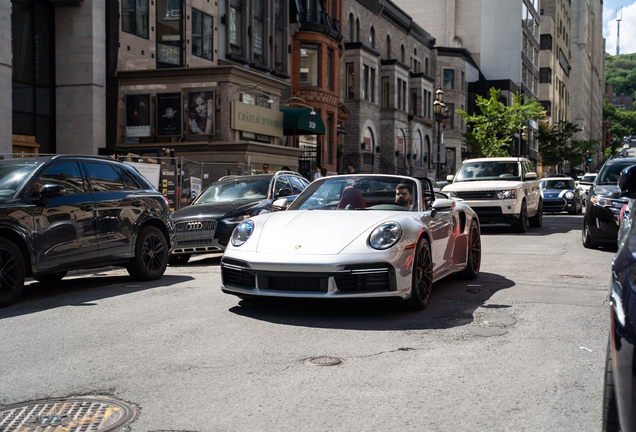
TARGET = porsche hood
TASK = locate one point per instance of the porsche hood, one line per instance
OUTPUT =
(316, 232)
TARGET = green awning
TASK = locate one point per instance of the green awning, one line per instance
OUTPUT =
(299, 121)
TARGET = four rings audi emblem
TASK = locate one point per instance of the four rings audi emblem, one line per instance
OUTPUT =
(191, 226)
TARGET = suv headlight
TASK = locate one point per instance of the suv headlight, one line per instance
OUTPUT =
(242, 233)
(507, 194)
(235, 219)
(600, 201)
(569, 195)
(385, 235)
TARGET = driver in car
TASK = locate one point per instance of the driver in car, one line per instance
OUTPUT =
(404, 195)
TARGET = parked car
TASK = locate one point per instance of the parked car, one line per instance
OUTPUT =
(355, 237)
(560, 194)
(585, 183)
(619, 411)
(501, 190)
(66, 213)
(205, 226)
(603, 205)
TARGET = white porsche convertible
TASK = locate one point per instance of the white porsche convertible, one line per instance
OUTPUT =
(355, 236)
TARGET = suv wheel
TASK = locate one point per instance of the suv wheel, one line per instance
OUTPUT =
(521, 225)
(536, 221)
(151, 255)
(586, 237)
(12, 271)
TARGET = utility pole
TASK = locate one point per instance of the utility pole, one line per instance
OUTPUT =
(618, 30)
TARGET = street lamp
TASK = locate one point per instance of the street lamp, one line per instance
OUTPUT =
(439, 109)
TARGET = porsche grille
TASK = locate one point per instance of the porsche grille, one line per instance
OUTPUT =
(363, 282)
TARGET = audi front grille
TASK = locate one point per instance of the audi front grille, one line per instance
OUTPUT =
(195, 233)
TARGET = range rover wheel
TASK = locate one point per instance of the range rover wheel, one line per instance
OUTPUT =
(536, 221)
(151, 255)
(521, 225)
(12, 271)
(587, 238)
(51, 277)
(422, 277)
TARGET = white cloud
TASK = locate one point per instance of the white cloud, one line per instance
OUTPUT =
(628, 30)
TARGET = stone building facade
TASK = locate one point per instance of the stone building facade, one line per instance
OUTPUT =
(387, 86)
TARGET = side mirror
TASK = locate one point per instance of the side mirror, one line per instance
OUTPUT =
(282, 203)
(284, 193)
(442, 204)
(49, 191)
(627, 182)
(531, 176)
(191, 200)
(450, 178)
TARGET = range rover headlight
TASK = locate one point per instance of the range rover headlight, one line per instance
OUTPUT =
(507, 194)
(242, 233)
(569, 195)
(385, 235)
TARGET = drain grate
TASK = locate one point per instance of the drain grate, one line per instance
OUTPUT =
(323, 361)
(65, 415)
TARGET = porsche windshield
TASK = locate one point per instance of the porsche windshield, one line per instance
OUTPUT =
(359, 193)
(12, 175)
(239, 189)
(557, 184)
(488, 170)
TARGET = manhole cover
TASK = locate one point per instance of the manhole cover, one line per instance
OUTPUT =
(479, 291)
(65, 415)
(323, 361)
(573, 276)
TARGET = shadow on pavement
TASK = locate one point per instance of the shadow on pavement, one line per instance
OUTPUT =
(553, 223)
(452, 304)
(80, 291)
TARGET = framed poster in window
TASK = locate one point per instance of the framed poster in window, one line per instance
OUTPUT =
(138, 116)
(201, 112)
(169, 114)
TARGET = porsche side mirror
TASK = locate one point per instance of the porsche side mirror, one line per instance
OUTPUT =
(531, 176)
(49, 191)
(282, 203)
(627, 182)
(284, 193)
(441, 204)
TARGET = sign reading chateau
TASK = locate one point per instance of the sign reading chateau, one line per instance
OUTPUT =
(251, 118)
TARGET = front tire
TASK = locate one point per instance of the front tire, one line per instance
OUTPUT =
(521, 225)
(586, 238)
(151, 255)
(473, 260)
(422, 277)
(12, 272)
(610, 411)
(536, 221)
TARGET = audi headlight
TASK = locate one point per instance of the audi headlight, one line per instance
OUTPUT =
(385, 235)
(507, 194)
(601, 202)
(569, 195)
(242, 233)
(235, 219)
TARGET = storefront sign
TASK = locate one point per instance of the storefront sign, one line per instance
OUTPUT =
(138, 116)
(151, 172)
(250, 118)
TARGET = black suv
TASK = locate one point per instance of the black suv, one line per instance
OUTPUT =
(68, 212)
(603, 205)
(206, 225)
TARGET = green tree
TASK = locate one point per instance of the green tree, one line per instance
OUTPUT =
(497, 123)
(554, 142)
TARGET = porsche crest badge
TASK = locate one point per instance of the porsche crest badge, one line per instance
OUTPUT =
(298, 246)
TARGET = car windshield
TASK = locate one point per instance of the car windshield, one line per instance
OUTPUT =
(611, 172)
(557, 184)
(12, 175)
(359, 193)
(488, 170)
(236, 189)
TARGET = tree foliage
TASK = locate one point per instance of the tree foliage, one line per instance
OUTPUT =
(495, 126)
(623, 121)
(620, 73)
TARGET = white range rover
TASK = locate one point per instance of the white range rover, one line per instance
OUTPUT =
(501, 190)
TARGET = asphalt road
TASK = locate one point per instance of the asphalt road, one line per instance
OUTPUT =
(520, 348)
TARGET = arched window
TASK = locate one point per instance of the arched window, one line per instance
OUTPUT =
(417, 150)
(369, 142)
(357, 30)
(372, 38)
(400, 147)
(351, 28)
(426, 66)
(415, 51)
(402, 54)
(388, 47)
(427, 156)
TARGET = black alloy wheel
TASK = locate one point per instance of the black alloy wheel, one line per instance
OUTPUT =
(12, 272)
(586, 238)
(610, 410)
(151, 255)
(50, 277)
(473, 260)
(422, 277)
(536, 221)
(521, 225)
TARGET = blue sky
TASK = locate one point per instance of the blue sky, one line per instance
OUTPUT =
(628, 25)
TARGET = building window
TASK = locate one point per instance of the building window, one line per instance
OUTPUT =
(449, 79)
(448, 122)
(308, 64)
(545, 75)
(399, 93)
(329, 69)
(351, 29)
(236, 27)
(372, 86)
(350, 83)
(402, 54)
(365, 83)
(258, 31)
(386, 92)
(279, 32)
(328, 132)
(357, 30)
(372, 38)
(426, 66)
(427, 156)
(414, 109)
(169, 29)
(202, 33)
(388, 47)
(134, 17)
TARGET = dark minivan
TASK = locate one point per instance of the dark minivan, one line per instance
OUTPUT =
(67, 212)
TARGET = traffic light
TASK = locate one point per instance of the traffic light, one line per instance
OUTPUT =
(589, 159)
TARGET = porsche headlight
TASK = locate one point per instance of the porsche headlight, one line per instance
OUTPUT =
(507, 194)
(569, 195)
(242, 233)
(235, 219)
(385, 235)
